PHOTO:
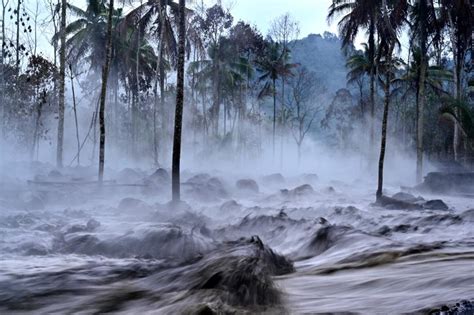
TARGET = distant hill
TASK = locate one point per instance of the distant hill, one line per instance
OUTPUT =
(324, 56)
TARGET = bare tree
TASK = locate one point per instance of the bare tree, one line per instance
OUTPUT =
(304, 89)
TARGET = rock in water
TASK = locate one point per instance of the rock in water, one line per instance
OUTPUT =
(436, 204)
(160, 176)
(305, 189)
(134, 206)
(276, 178)
(403, 196)
(395, 204)
(448, 182)
(247, 185)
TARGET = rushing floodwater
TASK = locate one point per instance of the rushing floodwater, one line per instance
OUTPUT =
(320, 248)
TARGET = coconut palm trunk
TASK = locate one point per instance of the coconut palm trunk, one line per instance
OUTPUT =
(383, 143)
(420, 121)
(62, 78)
(103, 91)
(178, 120)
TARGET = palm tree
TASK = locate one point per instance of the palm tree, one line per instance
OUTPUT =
(424, 25)
(103, 92)
(458, 15)
(164, 16)
(388, 26)
(360, 14)
(435, 76)
(359, 68)
(225, 68)
(178, 122)
(460, 113)
(87, 34)
(273, 65)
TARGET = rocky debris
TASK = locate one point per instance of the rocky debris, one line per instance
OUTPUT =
(91, 226)
(74, 213)
(159, 177)
(303, 190)
(468, 215)
(329, 190)
(205, 188)
(311, 178)
(158, 241)
(438, 182)
(198, 179)
(239, 271)
(440, 219)
(395, 204)
(231, 206)
(461, 308)
(247, 185)
(403, 196)
(436, 204)
(55, 174)
(19, 220)
(274, 179)
(323, 239)
(134, 206)
(416, 203)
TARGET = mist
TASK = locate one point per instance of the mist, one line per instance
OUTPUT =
(174, 158)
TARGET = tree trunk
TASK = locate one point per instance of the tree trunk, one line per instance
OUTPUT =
(155, 135)
(178, 119)
(75, 118)
(274, 119)
(372, 83)
(420, 121)
(384, 126)
(103, 92)
(62, 74)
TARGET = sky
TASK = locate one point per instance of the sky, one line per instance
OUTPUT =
(311, 14)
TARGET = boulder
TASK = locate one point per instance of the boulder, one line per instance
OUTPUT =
(395, 204)
(276, 178)
(160, 176)
(247, 185)
(305, 189)
(231, 206)
(403, 196)
(436, 204)
(439, 182)
(134, 206)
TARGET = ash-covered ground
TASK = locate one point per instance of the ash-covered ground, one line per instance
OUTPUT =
(238, 244)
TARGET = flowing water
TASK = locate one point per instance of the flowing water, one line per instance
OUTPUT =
(68, 247)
